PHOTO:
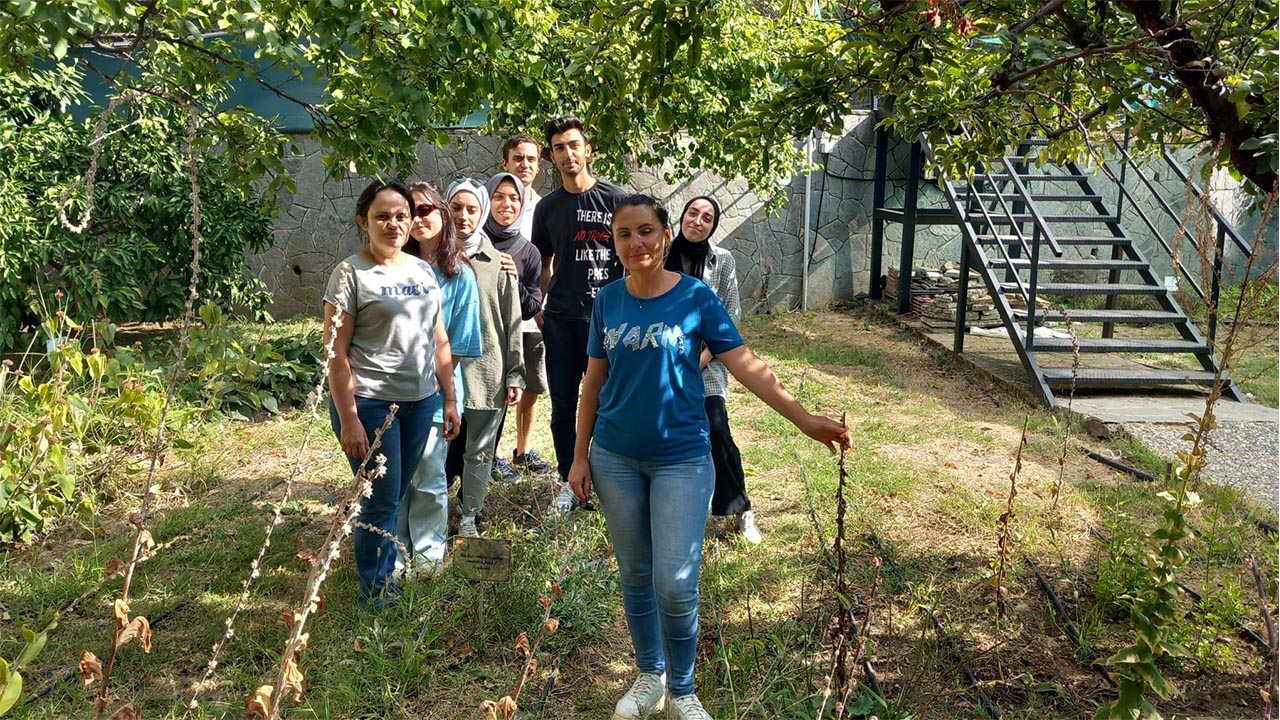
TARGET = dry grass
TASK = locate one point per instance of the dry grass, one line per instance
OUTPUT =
(928, 481)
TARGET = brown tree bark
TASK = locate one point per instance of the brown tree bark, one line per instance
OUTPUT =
(1193, 67)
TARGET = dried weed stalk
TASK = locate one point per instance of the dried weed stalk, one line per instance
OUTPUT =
(1056, 491)
(864, 633)
(290, 679)
(277, 517)
(1264, 608)
(844, 618)
(506, 707)
(138, 627)
(1004, 539)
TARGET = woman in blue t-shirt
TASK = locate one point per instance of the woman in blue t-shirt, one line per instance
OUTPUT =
(643, 445)
(424, 511)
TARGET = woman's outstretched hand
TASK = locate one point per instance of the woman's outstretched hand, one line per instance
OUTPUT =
(580, 479)
(829, 432)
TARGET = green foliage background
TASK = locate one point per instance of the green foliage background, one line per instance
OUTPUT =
(132, 262)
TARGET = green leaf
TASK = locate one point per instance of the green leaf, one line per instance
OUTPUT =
(35, 644)
(10, 691)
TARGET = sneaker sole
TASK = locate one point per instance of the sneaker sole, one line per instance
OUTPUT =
(660, 707)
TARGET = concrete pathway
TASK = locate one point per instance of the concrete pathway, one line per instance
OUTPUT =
(1243, 452)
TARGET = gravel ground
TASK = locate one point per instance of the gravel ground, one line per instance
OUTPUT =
(1241, 454)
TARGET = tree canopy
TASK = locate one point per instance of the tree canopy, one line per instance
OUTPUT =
(724, 85)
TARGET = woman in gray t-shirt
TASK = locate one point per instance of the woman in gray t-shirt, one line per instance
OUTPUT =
(390, 348)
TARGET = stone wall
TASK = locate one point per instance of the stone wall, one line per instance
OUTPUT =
(316, 227)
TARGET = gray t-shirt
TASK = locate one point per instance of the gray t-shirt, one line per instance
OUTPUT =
(392, 352)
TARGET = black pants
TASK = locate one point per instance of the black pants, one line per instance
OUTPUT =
(566, 343)
(731, 482)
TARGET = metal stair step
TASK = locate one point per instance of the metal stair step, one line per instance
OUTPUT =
(1125, 378)
(1122, 345)
(1070, 264)
(1001, 219)
(1089, 289)
(1062, 239)
(1141, 317)
(1048, 197)
(1064, 177)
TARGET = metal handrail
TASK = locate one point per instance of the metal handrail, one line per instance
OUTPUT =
(1164, 244)
(995, 233)
(1224, 225)
(927, 149)
(1036, 217)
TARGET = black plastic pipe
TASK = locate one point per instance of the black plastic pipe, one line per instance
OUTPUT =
(1073, 631)
(953, 645)
(1117, 465)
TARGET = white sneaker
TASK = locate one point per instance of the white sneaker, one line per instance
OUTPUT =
(747, 526)
(467, 527)
(648, 695)
(687, 707)
(565, 500)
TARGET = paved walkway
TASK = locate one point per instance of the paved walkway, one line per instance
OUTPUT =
(1243, 452)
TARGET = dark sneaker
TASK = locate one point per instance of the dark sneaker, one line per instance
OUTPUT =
(503, 472)
(530, 462)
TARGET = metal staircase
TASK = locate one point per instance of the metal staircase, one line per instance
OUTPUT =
(1048, 247)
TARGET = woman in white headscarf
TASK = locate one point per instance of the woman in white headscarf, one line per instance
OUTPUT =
(496, 378)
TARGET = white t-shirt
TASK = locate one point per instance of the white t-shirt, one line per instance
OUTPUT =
(392, 353)
(526, 229)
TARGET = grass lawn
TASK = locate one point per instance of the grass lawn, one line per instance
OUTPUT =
(928, 479)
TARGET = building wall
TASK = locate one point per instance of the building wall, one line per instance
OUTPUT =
(316, 227)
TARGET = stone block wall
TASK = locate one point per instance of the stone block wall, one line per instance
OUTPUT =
(316, 227)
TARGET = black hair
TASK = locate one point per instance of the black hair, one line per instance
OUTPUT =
(515, 141)
(638, 200)
(371, 191)
(564, 123)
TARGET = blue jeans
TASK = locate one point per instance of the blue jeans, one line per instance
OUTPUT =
(656, 513)
(402, 444)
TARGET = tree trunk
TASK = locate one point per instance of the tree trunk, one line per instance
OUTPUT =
(1193, 67)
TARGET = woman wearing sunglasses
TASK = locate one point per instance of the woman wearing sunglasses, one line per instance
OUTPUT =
(424, 511)
(390, 349)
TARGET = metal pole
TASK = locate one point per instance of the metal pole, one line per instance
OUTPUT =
(906, 259)
(1216, 288)
(808, 209)
(877, 223)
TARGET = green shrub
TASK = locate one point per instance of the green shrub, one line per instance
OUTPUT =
(132, 261)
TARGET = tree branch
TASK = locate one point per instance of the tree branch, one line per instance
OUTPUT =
(1192, 64)
(1044, 11)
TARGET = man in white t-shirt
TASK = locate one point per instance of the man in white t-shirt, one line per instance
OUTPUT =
(521, 156)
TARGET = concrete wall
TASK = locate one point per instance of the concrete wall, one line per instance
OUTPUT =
(316, 227)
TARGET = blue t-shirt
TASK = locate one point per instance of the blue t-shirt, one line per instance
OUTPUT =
(460, 305)
(652, 403)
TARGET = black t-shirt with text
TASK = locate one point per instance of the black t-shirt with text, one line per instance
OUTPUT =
(578, 230)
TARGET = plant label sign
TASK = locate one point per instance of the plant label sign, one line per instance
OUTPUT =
(482, 559)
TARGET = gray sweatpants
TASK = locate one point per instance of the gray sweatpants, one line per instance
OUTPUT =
(477, 461)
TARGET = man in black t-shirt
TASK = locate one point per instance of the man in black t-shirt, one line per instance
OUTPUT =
(572, 228)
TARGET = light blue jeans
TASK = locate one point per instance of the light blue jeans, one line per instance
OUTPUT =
(424, 509)
(656, 513)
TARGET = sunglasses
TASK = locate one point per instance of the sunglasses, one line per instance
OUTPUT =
(423, 210)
